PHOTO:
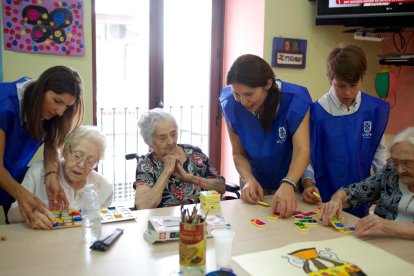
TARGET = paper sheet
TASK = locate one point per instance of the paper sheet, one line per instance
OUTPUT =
(332, 253)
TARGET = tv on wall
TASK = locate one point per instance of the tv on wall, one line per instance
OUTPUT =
(372, 14)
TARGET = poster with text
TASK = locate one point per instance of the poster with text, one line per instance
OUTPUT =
(289, 52)
(44, 27)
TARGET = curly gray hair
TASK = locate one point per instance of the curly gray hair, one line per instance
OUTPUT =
(149, 121)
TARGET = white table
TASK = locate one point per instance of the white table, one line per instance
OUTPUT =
(61, 252)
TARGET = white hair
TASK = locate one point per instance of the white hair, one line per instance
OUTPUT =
(90, 133)
(407, 135)
(149, 121)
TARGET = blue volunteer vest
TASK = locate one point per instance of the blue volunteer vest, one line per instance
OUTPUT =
(269, 153)
(343, 147)
(20, 147)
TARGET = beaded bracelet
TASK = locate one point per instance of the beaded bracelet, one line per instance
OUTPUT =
(199, 181)
(289, 181)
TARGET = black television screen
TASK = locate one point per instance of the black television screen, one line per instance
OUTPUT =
(377, 13)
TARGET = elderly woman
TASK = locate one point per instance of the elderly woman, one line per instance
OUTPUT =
(82, 151)
(392, 189)
(171, 174)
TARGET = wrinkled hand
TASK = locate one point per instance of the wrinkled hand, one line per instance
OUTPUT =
(329, 210)
(252, 192)
(169, 162)
(45, 221)
(55, 194)
(308, 196)
(284, 201)
(28, 205)
(371, 225)
(181, 173)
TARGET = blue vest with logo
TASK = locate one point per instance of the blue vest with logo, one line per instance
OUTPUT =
(269, 153)
(343, 147)
(20, 147)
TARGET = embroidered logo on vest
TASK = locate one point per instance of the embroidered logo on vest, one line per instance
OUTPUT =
(367, 130)
(282, 135)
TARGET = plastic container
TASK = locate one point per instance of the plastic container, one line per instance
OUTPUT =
(90, 210)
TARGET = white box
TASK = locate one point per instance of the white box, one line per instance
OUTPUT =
(161, 229)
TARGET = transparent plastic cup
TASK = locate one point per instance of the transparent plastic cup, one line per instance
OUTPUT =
(223, 245)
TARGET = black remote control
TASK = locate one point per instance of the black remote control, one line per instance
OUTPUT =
(103, 244)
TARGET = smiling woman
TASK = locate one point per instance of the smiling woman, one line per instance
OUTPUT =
(34, 112)
(81, 153)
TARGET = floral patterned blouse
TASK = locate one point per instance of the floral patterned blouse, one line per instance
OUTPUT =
(176, 191)
(382, 187)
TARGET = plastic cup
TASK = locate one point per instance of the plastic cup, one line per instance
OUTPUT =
(223, 245)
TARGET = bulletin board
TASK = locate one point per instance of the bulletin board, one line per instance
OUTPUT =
(44, 27)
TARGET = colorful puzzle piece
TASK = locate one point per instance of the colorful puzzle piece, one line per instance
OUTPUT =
(347, 230)
(309, 221)
(66, 218)
(118, 213)
(273, 216)
(258, 223)
(337, 224)
(73, 218)
(317, 196)
(297, 212)
(310, 214)
(301, 227)
(265, 204)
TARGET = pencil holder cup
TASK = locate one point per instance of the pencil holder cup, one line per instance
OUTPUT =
(192, 244)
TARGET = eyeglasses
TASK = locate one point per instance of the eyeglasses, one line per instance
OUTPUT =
(408, 164)
(78, 157)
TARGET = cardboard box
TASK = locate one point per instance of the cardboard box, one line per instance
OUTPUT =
(161, 229)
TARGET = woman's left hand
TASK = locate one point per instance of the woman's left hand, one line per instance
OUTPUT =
(372, 225)
(56, 195)
(284, 201)
(181, 173)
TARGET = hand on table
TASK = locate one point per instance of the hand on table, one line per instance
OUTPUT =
(308, 196)
(372, 225)
(45, 221)
(284, 201)
(329, 210)
(55, 194)
(28, 206)
(252, 192)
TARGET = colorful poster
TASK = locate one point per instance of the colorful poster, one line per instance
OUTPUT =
(44, 27)
(289, 52)
(340, 256)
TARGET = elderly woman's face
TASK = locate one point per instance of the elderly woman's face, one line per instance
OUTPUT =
(402, 157)
(165, 139)
(80, 160)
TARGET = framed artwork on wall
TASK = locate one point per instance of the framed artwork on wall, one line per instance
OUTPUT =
(44, 27)
(289, 52)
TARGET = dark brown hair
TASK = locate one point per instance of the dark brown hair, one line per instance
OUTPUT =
(60, 80)
(346, 62)
(255, 72)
